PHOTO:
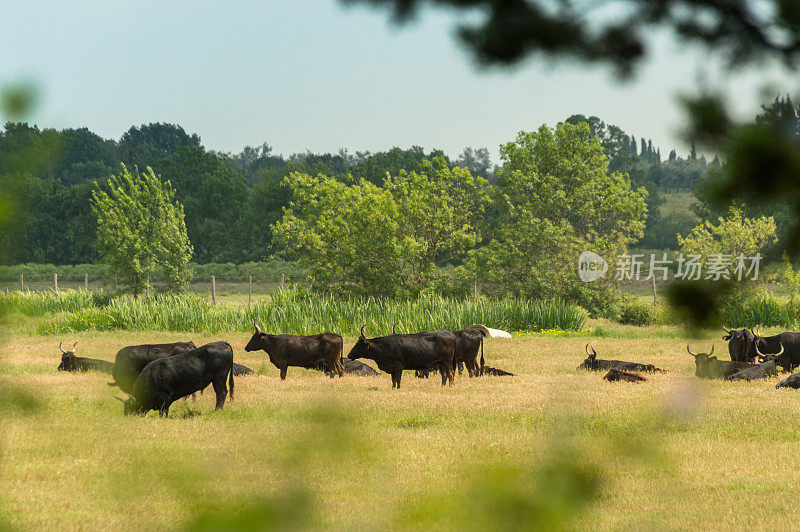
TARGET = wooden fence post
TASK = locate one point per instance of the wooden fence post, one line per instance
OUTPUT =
(249, 291)
(55, 281)
(213, 290)
(655, 301)
(22, 282)
(86, 281)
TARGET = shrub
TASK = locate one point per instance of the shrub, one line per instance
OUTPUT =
(634, 312)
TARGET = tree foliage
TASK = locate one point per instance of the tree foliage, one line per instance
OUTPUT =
(141, 227)
(508, 31)
(383, 240)
(557, 197)
(734, 235)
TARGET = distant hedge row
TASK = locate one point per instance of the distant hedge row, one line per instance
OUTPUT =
(262, 272)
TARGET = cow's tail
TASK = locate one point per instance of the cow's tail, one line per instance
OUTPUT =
(230, 377)
(483, 361)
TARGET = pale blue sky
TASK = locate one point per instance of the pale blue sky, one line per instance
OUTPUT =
(313, 74)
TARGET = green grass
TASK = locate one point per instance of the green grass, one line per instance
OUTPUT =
(553, 448)
(289, 311)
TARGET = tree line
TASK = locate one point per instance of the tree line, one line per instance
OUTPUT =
(231, 200)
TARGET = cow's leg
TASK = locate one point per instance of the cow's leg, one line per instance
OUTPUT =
(283, 372)
(398, 375)
(339, 366)
(394, 380)
(444, 372)
(221, 390)
(461, 368)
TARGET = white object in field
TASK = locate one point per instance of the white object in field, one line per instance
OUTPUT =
(489, 332)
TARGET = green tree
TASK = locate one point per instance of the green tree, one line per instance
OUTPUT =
(440, 210)
(140, 226)
(556, 198)
(213, 194)
(345, 234)
(383, 240)
(734, 235)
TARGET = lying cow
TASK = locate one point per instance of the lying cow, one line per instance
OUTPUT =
(708, 367)
(792, 381)
(165, 380)
(132, 359)
(595, 364)
(398, 352)
(239, 370)
(615, 375)
(496, 372)
(355, 367)
(286, 350)
(766, 368)
(70, 362)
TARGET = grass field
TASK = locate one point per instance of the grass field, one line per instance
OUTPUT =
(552, 447)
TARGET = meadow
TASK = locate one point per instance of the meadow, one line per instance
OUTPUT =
(551, 447)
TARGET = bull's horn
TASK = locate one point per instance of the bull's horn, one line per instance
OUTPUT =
(690, 351)
(258, 329)
(712, 350)
(781, 351)
(361, 334)
(758, 351)
(587, 350)
(726, 329)
(758, 328)
(593, 351)
(73, 346)
(59, 346)
(120, 399)
(393, 324)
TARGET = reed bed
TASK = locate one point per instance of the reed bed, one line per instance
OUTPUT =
(301, 312)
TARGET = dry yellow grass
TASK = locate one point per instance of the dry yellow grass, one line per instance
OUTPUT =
(673, 452)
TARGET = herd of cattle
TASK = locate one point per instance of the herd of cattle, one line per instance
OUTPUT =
(753, 357)
(156, 375)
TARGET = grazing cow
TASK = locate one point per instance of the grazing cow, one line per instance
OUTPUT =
(165, 380)
(708, 367)
(615, 375)
(789, 341)
(595, 364)
(286, 350)
(419, 351)
(495, 372)
(792, 381)
(70, 362)
(132, 359)
(739, 341)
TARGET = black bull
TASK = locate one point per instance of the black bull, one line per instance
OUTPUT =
(708, 367)
(70, 362)
(131, 360)
(598, 364)
(739, 341)
(468, 343)
(308, 352)
(790, 341)
(419, 351)
(165, 380)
